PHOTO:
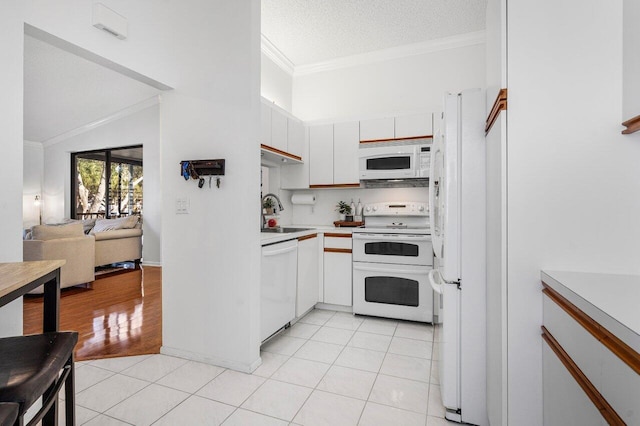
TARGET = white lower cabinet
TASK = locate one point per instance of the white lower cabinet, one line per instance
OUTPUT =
(337, 274)
(308, 274)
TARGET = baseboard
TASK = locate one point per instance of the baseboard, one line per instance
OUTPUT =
(193, 356)
(152, 264)
(330, 307)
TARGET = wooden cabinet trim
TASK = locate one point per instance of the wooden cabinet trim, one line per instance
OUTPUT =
(336, 235)
(498, 105)
(397, 139)
(598, 400)
(307, 237)
(623, 351)
(632, 125)
(336, 250)
(283, 153)
(336, 185)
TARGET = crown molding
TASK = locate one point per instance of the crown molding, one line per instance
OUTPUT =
(407, 50)
(273, 53)
(32, 144)
(154, 100)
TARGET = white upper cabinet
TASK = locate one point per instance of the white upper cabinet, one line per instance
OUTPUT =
(409, 126)
(265, 124)
(296, 138)
(376, 129)
(296, 176)
(321, 154)
(278, 130)
(346, 140)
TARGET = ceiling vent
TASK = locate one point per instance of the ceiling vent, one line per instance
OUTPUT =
(109, 21)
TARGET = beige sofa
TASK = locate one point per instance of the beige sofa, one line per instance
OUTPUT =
(82, 252)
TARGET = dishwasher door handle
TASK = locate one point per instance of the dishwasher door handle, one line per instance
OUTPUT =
(267, 253)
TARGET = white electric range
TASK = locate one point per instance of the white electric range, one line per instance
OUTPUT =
(392, 256)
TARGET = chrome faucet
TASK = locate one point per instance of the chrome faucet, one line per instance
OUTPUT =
(280, 208)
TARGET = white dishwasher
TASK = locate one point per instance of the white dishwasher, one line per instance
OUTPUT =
(278, 286)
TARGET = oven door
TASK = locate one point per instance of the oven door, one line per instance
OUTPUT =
(397, 162)
(393, 248)
(392, 291)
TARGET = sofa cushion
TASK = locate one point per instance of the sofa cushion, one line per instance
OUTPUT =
(49, 232)
(118, 233)
(103, 225)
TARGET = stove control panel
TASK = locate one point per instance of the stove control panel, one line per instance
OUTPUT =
(399, 208)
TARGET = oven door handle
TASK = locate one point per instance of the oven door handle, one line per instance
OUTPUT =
(386, 270)
(434, 285)
(396, 237)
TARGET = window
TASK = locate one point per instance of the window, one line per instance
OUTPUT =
(106, 183)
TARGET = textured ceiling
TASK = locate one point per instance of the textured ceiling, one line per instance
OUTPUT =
(310, 31)
(63, 91)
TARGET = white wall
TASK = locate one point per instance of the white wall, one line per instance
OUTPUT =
(32, 172)
(140, 128)
(496, 148)
(412, 83)
(209, 51)
(11, 151)
(631, 74)
(573, 179)
(275, 84)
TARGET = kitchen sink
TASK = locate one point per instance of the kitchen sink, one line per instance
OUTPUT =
(279, 230)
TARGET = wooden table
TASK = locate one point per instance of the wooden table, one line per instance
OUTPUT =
(19, 278)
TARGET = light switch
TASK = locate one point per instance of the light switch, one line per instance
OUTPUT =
(182, 205)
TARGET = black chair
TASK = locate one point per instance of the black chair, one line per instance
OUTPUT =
(30, 368)
(8, 413)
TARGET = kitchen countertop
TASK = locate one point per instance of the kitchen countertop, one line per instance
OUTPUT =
(270, 238)
(610, 299)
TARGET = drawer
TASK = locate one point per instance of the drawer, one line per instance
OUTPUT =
(338, 242)
(621, 387)
(582, 347)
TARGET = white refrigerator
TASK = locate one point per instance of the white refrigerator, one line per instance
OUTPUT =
(458, 231)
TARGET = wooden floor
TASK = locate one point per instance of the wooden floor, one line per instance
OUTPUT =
(118, 315)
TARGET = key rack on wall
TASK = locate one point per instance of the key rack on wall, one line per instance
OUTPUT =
(197, 169)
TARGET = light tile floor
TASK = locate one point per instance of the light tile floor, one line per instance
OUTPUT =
(330, 368)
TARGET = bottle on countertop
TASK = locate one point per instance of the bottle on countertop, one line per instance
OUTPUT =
(358, 216)
(353, 208)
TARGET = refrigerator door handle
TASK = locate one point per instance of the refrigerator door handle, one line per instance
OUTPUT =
(434, 285)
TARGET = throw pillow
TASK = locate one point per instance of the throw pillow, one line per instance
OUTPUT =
(48, 232)
(103, 225)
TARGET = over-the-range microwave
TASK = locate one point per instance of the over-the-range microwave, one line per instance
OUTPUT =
(405, 159)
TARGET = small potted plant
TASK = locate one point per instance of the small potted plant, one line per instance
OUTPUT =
(268, 205)
(345, 211)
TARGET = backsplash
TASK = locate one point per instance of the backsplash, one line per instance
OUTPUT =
(323, 212)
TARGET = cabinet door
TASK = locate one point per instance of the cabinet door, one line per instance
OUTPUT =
(296, 138)
(296, 176)
(308, 275)
(376, 129)
(278, 130)
(321, 154)
(409, 126)
(265, 124)
(337, 271)
(346, 140)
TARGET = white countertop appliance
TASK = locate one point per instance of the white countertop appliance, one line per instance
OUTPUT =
(402, 159)
(457, 198)
(392, 256)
